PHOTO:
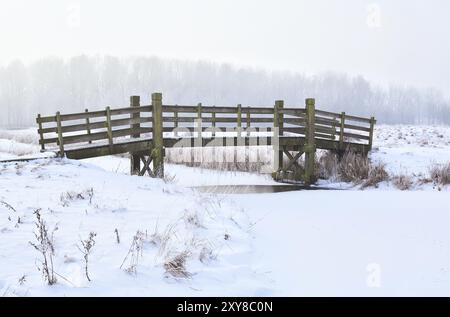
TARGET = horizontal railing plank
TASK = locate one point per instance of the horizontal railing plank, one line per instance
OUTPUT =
(356, 136)
(358, 119)
(355, 127)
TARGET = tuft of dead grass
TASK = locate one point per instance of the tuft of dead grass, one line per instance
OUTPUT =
(327, 166)
(176, 267)
(377, 174)
(403, 182)
(353, 168)
(440, 174)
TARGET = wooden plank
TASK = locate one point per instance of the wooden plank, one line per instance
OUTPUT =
(358, 119)
(83, 115)
(325, 121)
(103, 150)
(295, 121)
(356, 127)
(103, 124)
(80, 138)
(48, 141)
(131, 110)
(46, 119)
(258, 110)
(261, 120)
(327, 113)
(293, 112)
(356, 136)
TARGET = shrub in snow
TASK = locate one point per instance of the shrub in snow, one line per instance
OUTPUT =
(134, 253)
(86, 249)
(45, 246)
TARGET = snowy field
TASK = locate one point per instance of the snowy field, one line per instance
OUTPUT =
(373, 242)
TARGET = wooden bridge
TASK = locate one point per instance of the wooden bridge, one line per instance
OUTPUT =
(145, 131)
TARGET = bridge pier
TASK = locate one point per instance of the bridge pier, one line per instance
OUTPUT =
(157, 135)
(292, 170)
(135, 101)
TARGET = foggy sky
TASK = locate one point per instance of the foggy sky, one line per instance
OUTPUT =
(402, 41)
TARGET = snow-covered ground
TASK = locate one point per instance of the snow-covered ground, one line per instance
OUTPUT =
(374, 242)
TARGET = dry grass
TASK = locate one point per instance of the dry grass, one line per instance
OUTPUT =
(377, 174)
(68, 197)
(353, 168)
(440, 174)
(176, 267)
(403, 182)
(327, 166)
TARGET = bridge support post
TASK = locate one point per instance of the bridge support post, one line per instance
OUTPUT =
(372, 125)
(277, 131)
(310, 146)
(135, 101)
(158, 144)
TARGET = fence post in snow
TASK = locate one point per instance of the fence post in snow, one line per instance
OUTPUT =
(310, 145)
(372, 124)
(158, 144)
(277, 131)
(135, 101)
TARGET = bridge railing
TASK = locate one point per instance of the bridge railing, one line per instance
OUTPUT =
(117, 128)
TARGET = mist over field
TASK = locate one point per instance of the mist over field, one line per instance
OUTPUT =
(71, 85)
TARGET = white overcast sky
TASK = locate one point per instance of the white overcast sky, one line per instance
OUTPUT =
(386, 41)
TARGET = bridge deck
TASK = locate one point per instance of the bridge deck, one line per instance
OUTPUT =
(290, 143)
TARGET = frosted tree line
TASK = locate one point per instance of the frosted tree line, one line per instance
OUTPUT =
(54, 84)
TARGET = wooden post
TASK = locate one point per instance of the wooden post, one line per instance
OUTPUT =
(176, 116)
(88, 125)
(60, 134)
(213, 123)
(135, 101)
(41, 134)
(248, 121)
(341, 135)
(109, 128)
(372, 125)
(238, 132)
(310, 146)
(158, 144)
(239, 118)
(278, 131)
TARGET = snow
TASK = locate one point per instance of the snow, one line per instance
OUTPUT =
(376, 242)
(128, 204)
(411, 149)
